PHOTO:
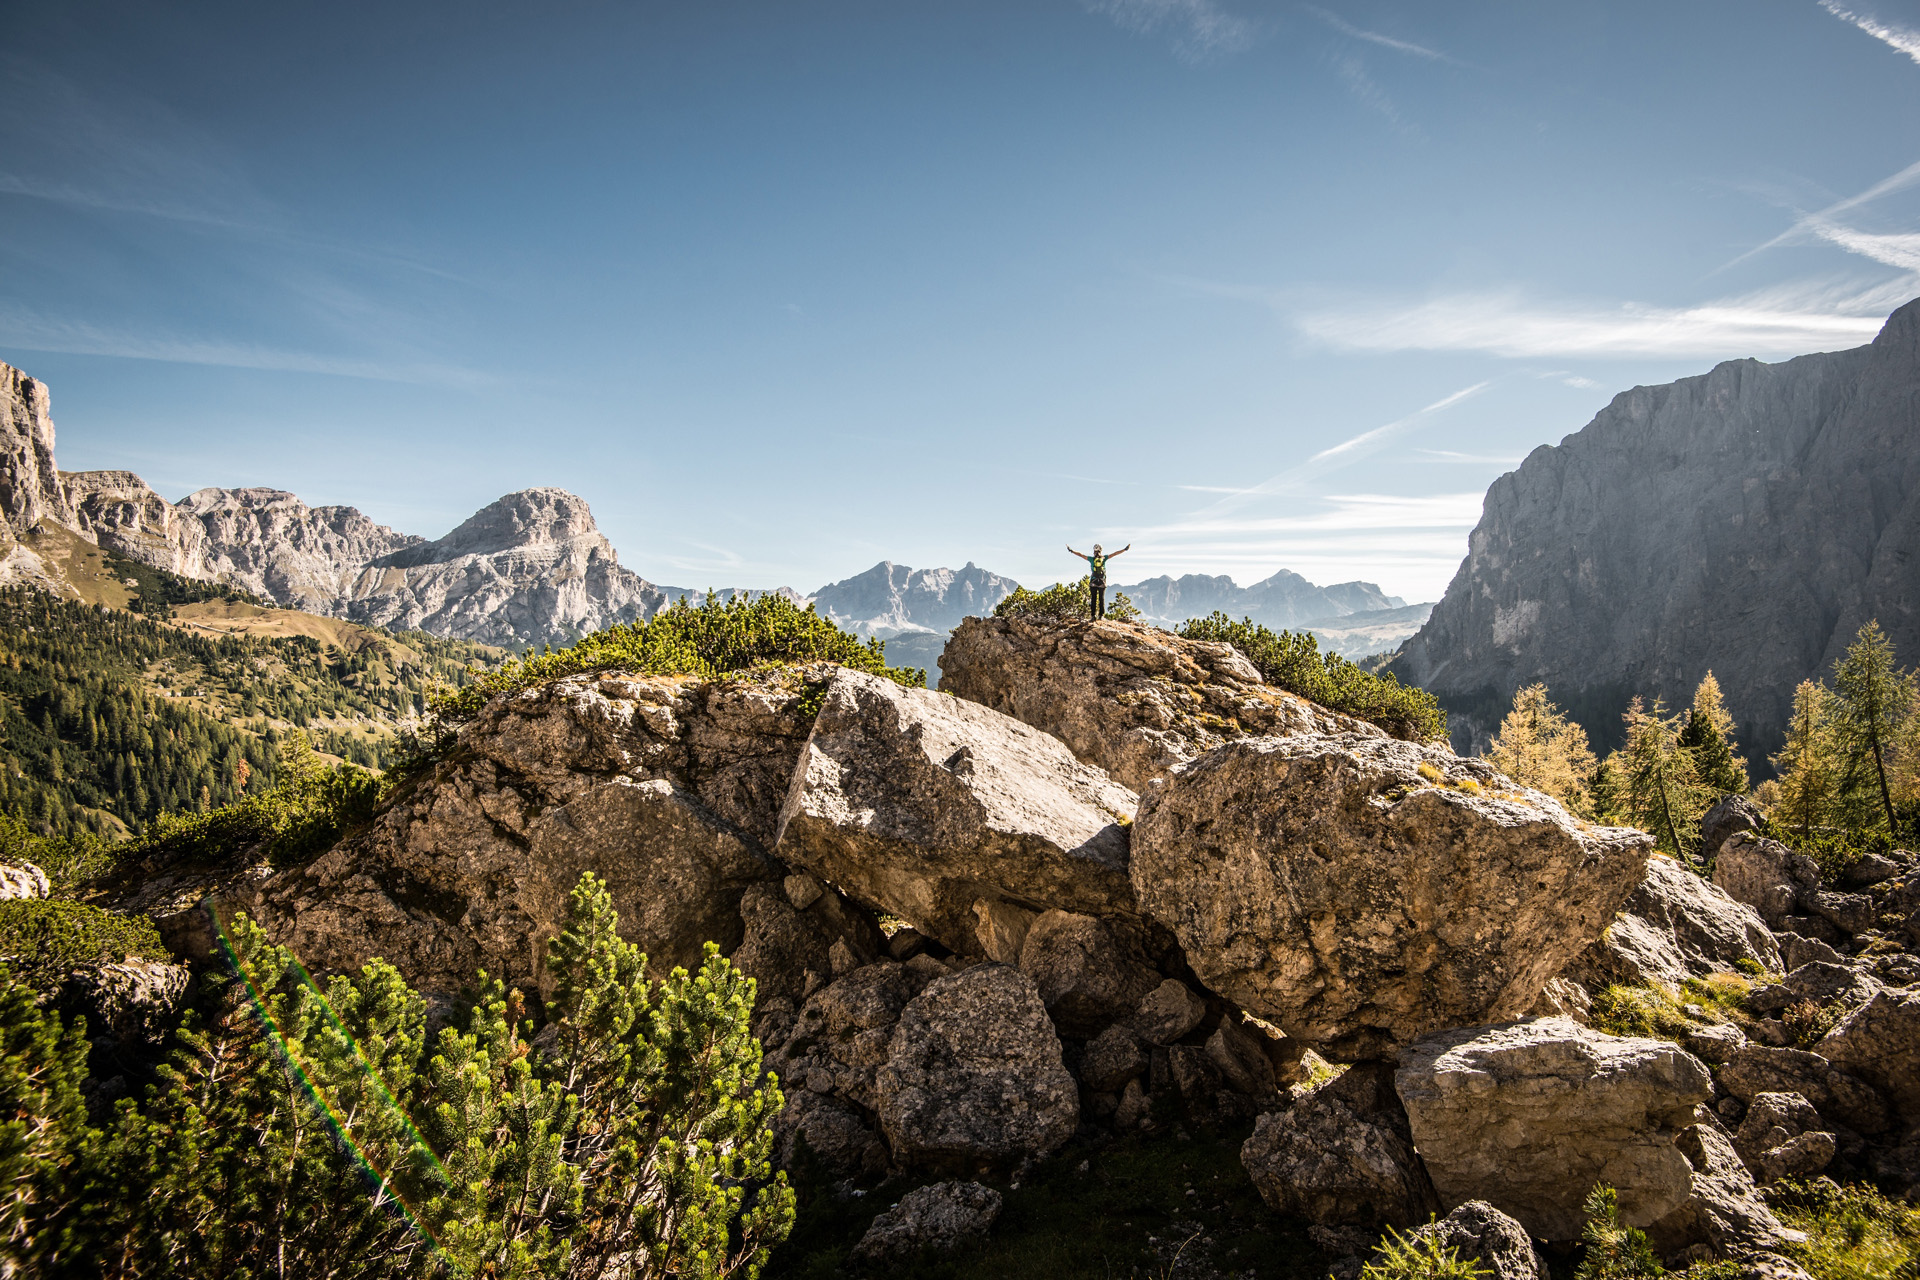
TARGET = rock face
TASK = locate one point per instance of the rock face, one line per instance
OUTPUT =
(135, 1002)
(120, 512)
(30, 489)
(1880, 1042)
(1776, 507)
(1133, 700)
(1341, 1154)
(974, 1075)
(665, 788)
(922, 804)
(1531, 1115)
(1330, 886)
(941, 1216)
(1674, 927)
(1766, 875)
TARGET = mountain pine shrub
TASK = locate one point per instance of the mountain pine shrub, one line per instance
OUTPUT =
(709, 640)
(1419, 1257)
(44, 939)
(1063, 602)
(1614, 1251)
(303, 1132)
(1293, 661)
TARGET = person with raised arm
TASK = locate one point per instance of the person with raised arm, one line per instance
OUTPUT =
(1097, 566)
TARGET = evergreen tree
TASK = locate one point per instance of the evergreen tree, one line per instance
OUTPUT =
(1537, 746)
(1872, 701)
(1809, 764)
(1662, 785)
(1606, 793)
(1709, 736)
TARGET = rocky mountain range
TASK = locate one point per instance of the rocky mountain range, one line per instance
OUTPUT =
(1746, 521)
(1286, 600)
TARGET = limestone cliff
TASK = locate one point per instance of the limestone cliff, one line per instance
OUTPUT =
(1746, 521)
(30, 488)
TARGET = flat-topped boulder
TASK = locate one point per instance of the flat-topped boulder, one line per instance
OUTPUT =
(924, 805)
(1361, 892)
(1132, 699)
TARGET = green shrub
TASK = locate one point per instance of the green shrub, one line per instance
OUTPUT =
(709, 639)
(1419, 1257)
(69, 860)
(1293, 661)
(43, 939)
(1807, 1022)
(42, 1126)
(1614, 1251)
(1853, 1232)
(1639, 1011)
(307, 810)
(1063, 602)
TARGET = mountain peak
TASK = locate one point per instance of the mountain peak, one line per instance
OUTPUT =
(536, 517)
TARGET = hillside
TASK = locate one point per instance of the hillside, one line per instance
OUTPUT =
(1746, 521)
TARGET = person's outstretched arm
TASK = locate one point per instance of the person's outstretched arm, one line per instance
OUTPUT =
(1081, 554)
(1122, 551)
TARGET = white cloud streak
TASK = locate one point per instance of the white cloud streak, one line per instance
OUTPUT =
(1788, 321)
(1809, 223)
(1200, 29)
(1905, 39)
(1897, 250)
(1346, 28)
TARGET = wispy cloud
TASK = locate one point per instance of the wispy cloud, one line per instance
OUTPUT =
(1346, 28)
(1367, 91)
(1199, 29)
(1813, 223)
(26, 330)
(1449, 455)
(1900, 249)
(1786, 321)
(1905, 39)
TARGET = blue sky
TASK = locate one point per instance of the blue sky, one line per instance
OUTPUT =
(785, 289)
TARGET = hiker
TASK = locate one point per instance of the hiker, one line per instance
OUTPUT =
(1097, 563)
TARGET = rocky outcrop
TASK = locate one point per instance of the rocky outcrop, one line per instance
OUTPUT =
(924, 805)
(22, 880)
(974, 1076)
(135, 1002)
(1341, 1154)
(1133, 700)
(118, 511)
(30, 489)
(1746, 521)
(939, 1217)
(1531, 1115)
(1362, 892)
(1675, 926)
(1782, 1136)
(1838, 1095)
(1723, 1210)
(1730, 814)
(1766, 875)
(271, 543)
(1880, 1043)
(666, 788)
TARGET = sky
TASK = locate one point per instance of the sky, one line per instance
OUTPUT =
(786, 289)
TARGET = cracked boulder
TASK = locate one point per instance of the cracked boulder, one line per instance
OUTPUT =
(1132, 699)
(1360, 893)
(924, 805)
(666, 788)
(1676, 925)
(1342, 1155)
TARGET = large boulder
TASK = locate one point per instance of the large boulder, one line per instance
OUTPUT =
(1766, 875)
(974, 1076)
(1880, 1043)
(1730, 814)
(923, 805)
(1723, 1209)
(1341, 1154)
(1362, 892)
(1782, 1136)
(1089, 974)
(1132, 699)
(1838, 1094)
(667, 788)
(1530, 1115)
(1675, 926)
(135, 1002)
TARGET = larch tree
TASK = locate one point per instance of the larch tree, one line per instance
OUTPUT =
(1662, 782)
(1537, 746)
(1872, 701)
(1709, 736)
(1809, 764)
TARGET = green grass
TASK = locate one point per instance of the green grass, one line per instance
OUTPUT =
(1853, 1232)
(1126, 1215)
(1659, 1013)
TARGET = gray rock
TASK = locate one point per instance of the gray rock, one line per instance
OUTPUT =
(1111, 1059)
(1782, 1136)
(892, 601)
(1723, 1209)
(1242, 1060)
(1331, 887)
(1796, 951)
(1848, 912)
(1131, 699)
(1726, 490)
(922, 804)
(788, 952)
(842, 1035)
(1001, 929)
(1837, 1094)
(1531, 1115)
(1730, 814)
(1088, 973)
(22, 880)
(1675, 926)
(1818, 981)
(136, 1002)
(1713, 1043)
(1480, 1234)
(1870, 869)
(840, 1135)
(1340, 1155)
(1880, 1043)
(1168, 1012)
(974, 1075)
(941, 1217)
(666, 788)
(1765, 875)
